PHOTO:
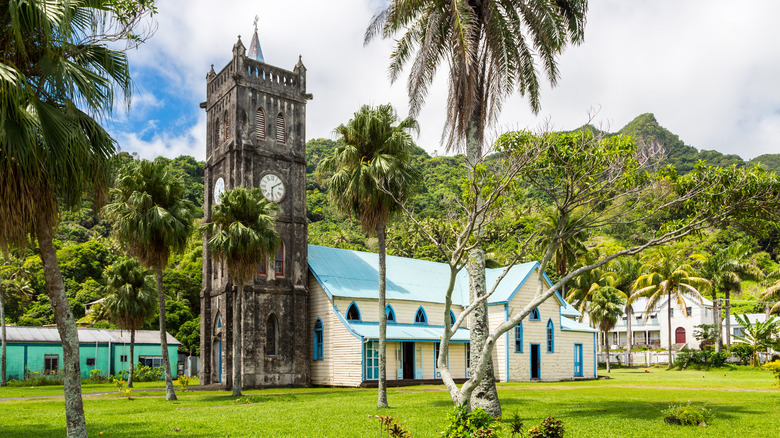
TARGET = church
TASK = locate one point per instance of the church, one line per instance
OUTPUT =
(311, 315)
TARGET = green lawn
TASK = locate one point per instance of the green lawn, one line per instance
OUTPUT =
(627, 405)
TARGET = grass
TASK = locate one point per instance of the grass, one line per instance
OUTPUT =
(630, 404)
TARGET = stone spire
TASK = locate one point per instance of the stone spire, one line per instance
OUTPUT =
(255, 52)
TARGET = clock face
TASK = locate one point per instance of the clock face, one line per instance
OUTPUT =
(219, 189)
(272, 187)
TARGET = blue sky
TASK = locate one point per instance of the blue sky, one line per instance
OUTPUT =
(707, 69)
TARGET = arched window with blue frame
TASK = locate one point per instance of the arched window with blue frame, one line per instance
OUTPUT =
(550, 336)
(318, 340)
(353, 313)
(452, 318)
(420, 317)
(535, 315)
(519, 338)
(390, 313)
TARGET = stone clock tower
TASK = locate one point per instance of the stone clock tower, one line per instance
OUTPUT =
(255, 137)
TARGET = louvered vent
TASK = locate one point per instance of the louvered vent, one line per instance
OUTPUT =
(281, 136)
(260, 124)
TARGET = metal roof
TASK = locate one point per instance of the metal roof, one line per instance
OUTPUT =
(354, 274)
(574, 326)
(86, 335)
(255, 52)
(406, 332)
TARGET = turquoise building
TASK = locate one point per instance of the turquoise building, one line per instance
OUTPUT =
(39, 349)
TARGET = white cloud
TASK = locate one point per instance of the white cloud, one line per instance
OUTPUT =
(707, 69)
(167, 143)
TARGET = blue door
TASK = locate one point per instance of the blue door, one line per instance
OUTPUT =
(536, 362)
(577, 360)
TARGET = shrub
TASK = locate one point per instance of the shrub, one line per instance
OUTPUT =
(687, 415)
(774, 367)
(550, 428)
(182, 382)
(699, 359)
(143, 373)
(97, 376)
(743, 352)
(393, 428)
(465, 424)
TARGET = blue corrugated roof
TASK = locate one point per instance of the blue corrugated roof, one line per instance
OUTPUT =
(354, 274)
(574, 326)
(405, 332)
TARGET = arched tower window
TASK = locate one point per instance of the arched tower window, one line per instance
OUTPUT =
(279, 262)
(390, 313)
(318, 340)
(420, 317)
(260, 124)
(353, 313)
(550, 337)
(519, 338)
(271, 335)
(227, 127)
(217, 131)
(452, 318)
(281, 133)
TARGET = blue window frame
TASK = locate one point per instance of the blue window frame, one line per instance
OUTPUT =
(519, 338)
(420, 317)
(353, 313)
(318, 340)
(390, 313)
(371, 354)
(550, 336)
(452, 317)
(534, 315)
(578, 372)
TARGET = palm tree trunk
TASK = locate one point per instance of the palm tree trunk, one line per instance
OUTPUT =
(237, 342)
(2, 336)
(669, 324)
(170, 395)
(382, 394)
(66, 326)
(629, 334)
(132, 356)
(485, 395)
(606, 348)
(718, 323)
(728, 319)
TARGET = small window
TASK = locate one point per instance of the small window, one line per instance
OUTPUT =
(739, 331)
(671, 313)
(390, 313)
(260, 124)
(318, 340)
(51, 363)
(452, 318)
(281, 135)
(519, 338)
(353, 313)
(279, 262)
(261, 270)
(123, 358)
(689, 310)
(534, 315)
(420, 317)
(217, 131)
(150, 361)
(227, 127)
(550, 337)
(271, 336)
(90, 361)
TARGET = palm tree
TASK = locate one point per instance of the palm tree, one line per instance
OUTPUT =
(371, 175)
(569, 243)
(151, 216)
(584, 286)
(772, 293)
(243, 235)
(667, 276)
(627, 270)
(492, 47)
(604, 309)
(759, 336)
(130, 300)
(726, 269)
(56, 75)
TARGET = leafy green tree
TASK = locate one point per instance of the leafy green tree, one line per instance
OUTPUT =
(243, 235)
(370, 176)
(150, 215)
(569, 240)
(189, 336)
(604, 309)
(584, 286)
(759, 336)
(492, 48)
(56, 74)
(668, 276)
(130, 300)
(726, 269)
